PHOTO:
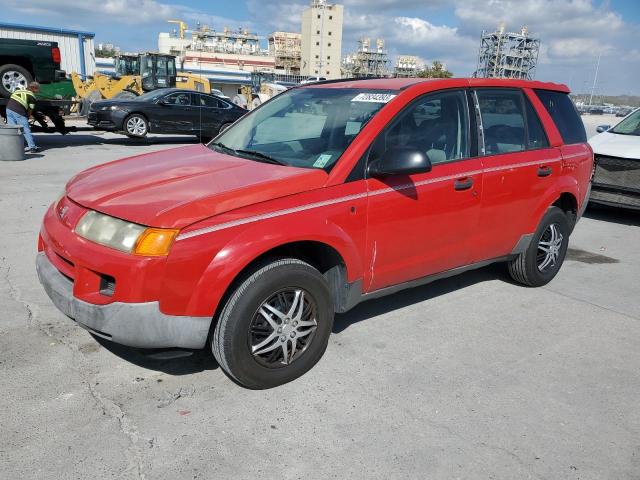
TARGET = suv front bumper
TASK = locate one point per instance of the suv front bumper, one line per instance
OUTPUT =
(140, 325)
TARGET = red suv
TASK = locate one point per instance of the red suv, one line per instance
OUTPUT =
(325, 196)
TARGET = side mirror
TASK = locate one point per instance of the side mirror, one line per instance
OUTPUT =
(162, 102)
(603, 128)
(400, 161)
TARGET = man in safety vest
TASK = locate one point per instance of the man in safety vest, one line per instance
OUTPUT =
(19, 107)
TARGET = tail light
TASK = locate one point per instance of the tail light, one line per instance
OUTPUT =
(55, 54)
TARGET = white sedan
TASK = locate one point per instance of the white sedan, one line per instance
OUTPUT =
(617, 154)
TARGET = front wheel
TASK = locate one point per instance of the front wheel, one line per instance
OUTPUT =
(543, 258)
(275, 325)
(136, 126)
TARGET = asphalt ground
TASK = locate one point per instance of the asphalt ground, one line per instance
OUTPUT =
(471, 377)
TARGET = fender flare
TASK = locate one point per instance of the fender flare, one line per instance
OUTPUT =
(220, 273)
(565, 184)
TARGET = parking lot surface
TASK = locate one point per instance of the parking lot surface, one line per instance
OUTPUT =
(469, 377)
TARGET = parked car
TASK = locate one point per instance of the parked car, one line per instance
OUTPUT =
(324, 197)
(312, 79)
(617, 156)
(623, 112)
(167, 110)
(219, 94)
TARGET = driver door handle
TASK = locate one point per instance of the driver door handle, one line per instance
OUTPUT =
(464, 183)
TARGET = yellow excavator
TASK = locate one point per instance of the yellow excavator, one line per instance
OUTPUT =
(134, 75)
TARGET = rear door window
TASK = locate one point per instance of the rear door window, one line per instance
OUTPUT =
(536, 137)
(503, 120)
(564, 115)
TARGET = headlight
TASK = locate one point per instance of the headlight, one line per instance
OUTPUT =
(110, 107)
(125, 236)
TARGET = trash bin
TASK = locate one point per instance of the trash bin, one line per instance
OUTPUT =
(11, 142)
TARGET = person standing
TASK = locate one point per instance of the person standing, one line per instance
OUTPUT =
(19, 107)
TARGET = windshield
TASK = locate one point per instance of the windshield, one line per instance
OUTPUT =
(305, 127)
(629, 126)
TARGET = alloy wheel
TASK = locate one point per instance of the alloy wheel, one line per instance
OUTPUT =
(549, 247)
(12, 80)
(136, 126)
(283, 327)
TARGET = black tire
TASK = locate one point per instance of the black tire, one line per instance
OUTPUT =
(529, 268)
(223, 127)
(234, 335)
(12, 76)
(135, 126)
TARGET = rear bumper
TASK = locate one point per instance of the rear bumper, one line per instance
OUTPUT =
(134, 324)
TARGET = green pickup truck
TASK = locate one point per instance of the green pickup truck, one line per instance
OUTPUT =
(21, 62)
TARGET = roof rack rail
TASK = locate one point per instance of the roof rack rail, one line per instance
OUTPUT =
(352, 79)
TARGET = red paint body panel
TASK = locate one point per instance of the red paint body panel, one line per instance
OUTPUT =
(178, 187)
(230, 211)
(435, 231)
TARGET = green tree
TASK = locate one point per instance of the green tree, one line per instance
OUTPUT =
(436, 70)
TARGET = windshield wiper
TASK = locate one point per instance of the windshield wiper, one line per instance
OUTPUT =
(262, 157)
(223, 147)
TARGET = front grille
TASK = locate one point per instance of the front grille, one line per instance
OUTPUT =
(617, 172)
(64, 266)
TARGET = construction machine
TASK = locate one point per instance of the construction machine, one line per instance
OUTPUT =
(134, 75)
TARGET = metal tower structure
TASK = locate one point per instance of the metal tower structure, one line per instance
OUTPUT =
(507, 54)
(366, 62)
(407, 66)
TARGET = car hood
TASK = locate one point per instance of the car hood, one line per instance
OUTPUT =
(616, 145)
(177, 187)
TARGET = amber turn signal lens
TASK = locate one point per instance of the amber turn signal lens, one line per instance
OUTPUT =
(155, 242)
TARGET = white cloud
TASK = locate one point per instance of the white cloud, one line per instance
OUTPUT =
(125, 11)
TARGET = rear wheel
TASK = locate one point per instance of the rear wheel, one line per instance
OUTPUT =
(543, 258)
(136, 126)
(275, 326)
(13, 77)
(224, 127)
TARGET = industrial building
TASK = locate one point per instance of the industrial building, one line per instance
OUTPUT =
(286, 48)
(227, 57)
(407, 66)
(367, 62)
(321, 40)
(507, 55)
(76, 47)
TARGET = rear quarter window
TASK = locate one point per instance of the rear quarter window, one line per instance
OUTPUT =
(564, 115)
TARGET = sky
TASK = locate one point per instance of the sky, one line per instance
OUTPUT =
(573, 33)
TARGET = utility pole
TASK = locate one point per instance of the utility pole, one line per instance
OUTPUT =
(321, 4)
(595, 79)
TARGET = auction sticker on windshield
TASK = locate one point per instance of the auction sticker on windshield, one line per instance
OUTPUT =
(322, 160)
(373, 97)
